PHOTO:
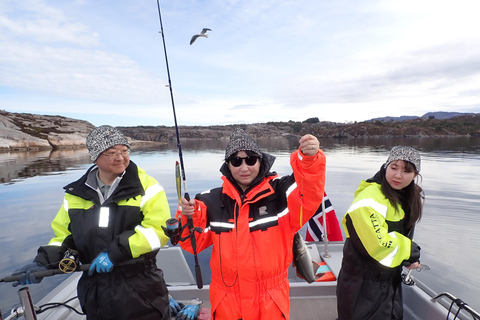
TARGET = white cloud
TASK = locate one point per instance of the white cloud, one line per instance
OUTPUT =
(263, 61)
(38, 22)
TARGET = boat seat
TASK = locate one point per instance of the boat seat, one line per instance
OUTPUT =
(176, 271)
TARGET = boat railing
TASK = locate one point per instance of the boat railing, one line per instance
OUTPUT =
(461, 305)
(28, 311)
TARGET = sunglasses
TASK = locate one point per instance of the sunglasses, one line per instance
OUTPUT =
(237, 161)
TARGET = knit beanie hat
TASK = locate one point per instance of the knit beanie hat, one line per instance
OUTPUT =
(241, 141)
(404, 153)
(103, 138)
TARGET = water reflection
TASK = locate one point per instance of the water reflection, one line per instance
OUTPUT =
(20, 165)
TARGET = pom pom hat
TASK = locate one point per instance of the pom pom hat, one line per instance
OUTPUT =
(103, 138)
(404, 153)
(241, 141)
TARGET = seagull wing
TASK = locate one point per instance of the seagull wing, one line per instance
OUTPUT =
(193, 39)
(205, 30)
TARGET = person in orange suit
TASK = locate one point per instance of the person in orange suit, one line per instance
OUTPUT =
(251, 221)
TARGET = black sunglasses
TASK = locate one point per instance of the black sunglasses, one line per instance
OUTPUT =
(237, 161)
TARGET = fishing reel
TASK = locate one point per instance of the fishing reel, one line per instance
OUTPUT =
(175, 229)
(408, 279)
(70, 261)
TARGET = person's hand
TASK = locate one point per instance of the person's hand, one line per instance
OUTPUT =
(309, 145)
(189, 312)
(27, 276)
(414, 265)
(101, 264)
(187, 207)
(175, 307)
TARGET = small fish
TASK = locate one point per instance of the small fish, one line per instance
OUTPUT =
(302, 259)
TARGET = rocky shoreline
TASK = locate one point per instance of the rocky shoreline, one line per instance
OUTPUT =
(24, 131)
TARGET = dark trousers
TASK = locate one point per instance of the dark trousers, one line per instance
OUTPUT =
(128, 292)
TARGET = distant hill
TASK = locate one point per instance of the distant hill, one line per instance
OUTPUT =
(428, 115)
(388, 118)
(444, 115)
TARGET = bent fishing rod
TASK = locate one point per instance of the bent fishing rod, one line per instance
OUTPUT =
(198, 272)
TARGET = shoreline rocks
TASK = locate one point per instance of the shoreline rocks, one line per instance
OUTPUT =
(25, 131)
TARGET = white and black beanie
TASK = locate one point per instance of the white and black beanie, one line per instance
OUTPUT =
(241, 141)
(404, 153)
(103, 138)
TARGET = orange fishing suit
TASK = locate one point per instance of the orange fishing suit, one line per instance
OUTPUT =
(252, 236)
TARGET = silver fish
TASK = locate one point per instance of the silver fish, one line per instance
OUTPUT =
(302, 260)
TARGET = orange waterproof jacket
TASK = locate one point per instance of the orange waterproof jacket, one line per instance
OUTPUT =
(252, 236)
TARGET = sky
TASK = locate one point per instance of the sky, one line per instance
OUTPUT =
(103, 61)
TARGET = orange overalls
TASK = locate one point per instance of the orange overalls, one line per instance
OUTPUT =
(252, 236)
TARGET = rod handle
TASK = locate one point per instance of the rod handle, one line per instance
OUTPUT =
(198, 275)
(37, 274)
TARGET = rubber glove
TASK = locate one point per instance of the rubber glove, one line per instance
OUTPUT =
(189, 312)
(101, 264)
(175, 307)
(27, 277)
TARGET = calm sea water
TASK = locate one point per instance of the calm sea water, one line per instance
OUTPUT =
(31, 194)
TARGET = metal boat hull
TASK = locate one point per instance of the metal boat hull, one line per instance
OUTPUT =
(316, 301)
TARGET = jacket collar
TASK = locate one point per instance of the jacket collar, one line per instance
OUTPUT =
(129, 186)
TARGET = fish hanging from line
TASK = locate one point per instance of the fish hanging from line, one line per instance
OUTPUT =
(201, 34)
(302, 260)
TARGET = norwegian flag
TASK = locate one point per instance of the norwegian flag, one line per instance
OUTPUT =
(315, 228)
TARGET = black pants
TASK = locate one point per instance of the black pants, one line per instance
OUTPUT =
(129, 292)
(360, 298)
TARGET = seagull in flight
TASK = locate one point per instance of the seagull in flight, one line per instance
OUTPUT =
(201, 34)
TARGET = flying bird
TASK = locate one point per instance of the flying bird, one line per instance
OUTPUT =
(201, 34)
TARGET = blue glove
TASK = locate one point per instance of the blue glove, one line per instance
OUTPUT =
(175, 307)
(27, 277)
(189, 312)
(101, 264)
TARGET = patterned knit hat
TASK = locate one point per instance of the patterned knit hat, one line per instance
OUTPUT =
(241, 141)
(103, 138)
(404, 153)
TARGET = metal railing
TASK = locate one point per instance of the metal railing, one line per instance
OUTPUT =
(461, 305)
(27, 309)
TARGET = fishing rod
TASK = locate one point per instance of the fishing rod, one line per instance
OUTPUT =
(45, 273)
(198, 272)
(70, 263)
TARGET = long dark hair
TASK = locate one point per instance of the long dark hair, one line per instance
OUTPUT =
(410, 198)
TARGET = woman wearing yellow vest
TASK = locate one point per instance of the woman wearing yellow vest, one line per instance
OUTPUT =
(379, 227)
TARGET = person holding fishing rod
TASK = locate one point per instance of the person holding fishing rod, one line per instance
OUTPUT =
(379, 226)
(113, 217)
(251, 222)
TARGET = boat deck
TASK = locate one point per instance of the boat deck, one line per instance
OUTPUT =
(315, 301)
(308, 301)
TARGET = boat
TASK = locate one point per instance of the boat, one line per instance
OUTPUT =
(315, 301)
